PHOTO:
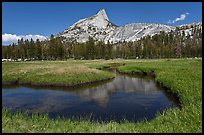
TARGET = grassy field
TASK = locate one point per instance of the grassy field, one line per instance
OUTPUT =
(183, 77)
(58, 73)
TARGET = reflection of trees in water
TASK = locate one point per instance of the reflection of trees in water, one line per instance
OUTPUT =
(57, 101)
(103, 93)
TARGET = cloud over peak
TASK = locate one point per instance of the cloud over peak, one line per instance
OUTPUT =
(182, 17)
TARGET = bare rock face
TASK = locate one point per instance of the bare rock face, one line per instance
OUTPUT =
(100, 28)
(97, 26)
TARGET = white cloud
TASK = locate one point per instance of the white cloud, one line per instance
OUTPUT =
(182, 17)
(12, 38)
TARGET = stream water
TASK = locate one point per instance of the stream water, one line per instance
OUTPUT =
(124, 97)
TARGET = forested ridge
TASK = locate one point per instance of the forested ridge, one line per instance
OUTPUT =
(175, 44)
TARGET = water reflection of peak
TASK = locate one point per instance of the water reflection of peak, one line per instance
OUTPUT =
(122, 96)
(103, 93)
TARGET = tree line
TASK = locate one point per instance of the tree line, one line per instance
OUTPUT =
(175, 44)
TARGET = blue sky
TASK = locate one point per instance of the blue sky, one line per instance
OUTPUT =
(39, 19)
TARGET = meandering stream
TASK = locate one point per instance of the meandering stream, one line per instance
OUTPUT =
(130, 97)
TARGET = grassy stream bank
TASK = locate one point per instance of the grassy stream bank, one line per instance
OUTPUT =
(183, 77)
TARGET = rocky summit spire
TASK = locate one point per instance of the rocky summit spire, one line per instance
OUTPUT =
(100, 19)
(102, 14)
(101, 28)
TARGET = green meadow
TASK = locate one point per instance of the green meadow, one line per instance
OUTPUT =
(182, 76)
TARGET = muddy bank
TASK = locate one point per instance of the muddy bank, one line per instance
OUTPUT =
(170, 92)
(140, 73)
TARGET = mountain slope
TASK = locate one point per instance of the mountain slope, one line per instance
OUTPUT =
(100, 28)
(97, 26)
(135, 31)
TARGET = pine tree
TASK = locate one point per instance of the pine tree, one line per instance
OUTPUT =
(90, 48)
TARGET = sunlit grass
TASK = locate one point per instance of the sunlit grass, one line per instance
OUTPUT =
(57, 73)
(182, 76)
